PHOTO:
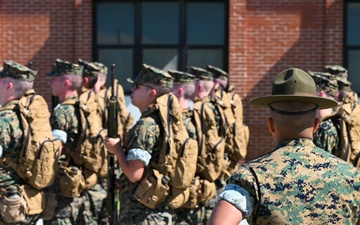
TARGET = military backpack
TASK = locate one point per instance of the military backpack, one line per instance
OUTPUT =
(38, 159)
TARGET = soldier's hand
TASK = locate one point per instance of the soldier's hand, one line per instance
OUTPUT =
(113, 144)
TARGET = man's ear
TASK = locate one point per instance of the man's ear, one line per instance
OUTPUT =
(322, 93)
(316, 124)
(10, 85)
(270, 124)
(85, 80)
(181, 91)
(153, 92)
(66, 82)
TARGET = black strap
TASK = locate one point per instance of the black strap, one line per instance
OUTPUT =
(292, 113)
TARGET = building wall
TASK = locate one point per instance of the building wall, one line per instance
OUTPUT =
(42, 31)
(266, 37)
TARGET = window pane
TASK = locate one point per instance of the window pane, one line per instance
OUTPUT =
(205, 23)
(123, 60)
(353, 21)
(354, 69)
(115, 23)
(160, 23)
(203, 57)
(161, 58)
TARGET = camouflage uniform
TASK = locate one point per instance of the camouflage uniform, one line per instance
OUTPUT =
(124, 121)
(299, 183)
(144, 143)
(66, 117)
(11, 134)
(327, 134)
(97, 194)
(214, 133)
(327, 137)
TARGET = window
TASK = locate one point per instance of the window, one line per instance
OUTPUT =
(164, 34)
(352, 43)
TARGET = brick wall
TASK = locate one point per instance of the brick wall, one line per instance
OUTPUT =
(43, 30)
(266, 37)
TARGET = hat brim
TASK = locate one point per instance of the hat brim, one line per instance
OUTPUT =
(322, 103)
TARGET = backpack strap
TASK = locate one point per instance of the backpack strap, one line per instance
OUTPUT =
(27, 139)
(202, 121)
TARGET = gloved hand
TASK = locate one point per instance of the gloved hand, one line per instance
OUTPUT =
(5, 179)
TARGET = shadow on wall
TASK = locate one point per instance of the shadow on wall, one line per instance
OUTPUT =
(297, 40)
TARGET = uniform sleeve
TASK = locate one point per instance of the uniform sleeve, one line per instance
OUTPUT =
(10, 135)
(326, 137)
(144, 137)
(58, 120)
(238, 197)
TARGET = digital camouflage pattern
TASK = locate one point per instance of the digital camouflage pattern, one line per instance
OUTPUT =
(326, 82)
(218, 73)
(153, 75)
(11, 135)
(186, 216)
(70, 211)
(62, 67)
(66, 118)
(299, 183)
(11, 139)
(201, 74)
(145, 135)
(89, 69)
(17, 71)
(187, 116)
(327, 136)
(182, 77)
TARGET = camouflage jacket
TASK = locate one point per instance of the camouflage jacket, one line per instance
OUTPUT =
(327, 136)
(66, 118)
(11, 136)
(187, 116)
(145, 135)
(299, 183)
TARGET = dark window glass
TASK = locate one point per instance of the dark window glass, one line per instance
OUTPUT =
(160, 23)
(352, 43)
(123, 60)
(166, 34)
(115, 23)
(164, 58)
(204, 57)
(353, 22)
(354, 69)
(205, 23)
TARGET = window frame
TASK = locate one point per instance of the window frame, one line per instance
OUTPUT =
(181, 47)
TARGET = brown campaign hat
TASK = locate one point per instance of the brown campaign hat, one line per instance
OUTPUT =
(293, 85)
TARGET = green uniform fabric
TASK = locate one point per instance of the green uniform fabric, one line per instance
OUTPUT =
(327, 136)
(11, 140)
(77, 210)
(299, 183)
(145, 135)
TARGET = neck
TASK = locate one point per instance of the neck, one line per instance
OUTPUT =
(67, 94)
(184, 103)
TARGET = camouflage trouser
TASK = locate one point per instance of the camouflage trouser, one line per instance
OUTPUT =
(159, 218)
(98, 203)
(30, 220)
(190, 216)
(73, 211)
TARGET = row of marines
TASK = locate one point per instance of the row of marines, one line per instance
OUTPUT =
(136, 148)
